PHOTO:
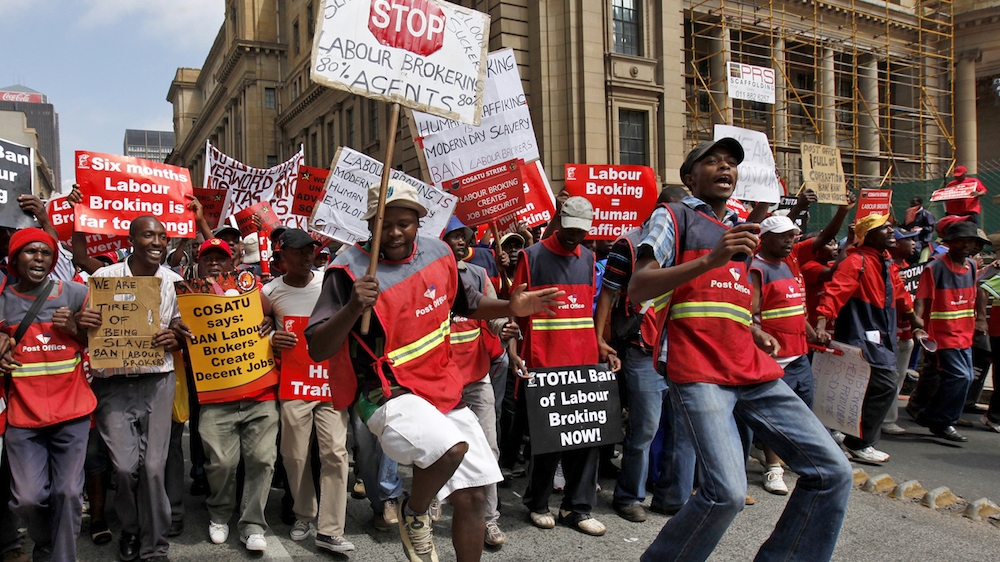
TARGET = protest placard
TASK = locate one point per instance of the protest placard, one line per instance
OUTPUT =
(301, 377)
(751, 83)
(268, 219)
(427, 55)
(245, 185)
(623, 196)
(487, 195)
(823, 172)
(962, 190)
(308, 190)
(539, 203)
(130, 317)
(60, 214)
(338, 212)
(874, 202)
(573, 408)
(911, 278)
(119, 189)
(506, 133)
(841, 380)
(211, 201)
(756, 179)
(16, 178)
(229, 358)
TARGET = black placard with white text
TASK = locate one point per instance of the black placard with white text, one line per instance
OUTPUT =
(16, 178)
(573, 408)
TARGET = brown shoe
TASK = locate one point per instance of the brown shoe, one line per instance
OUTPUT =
(631, 512)
(750, 500)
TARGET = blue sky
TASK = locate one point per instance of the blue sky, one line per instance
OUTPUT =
(106, 65)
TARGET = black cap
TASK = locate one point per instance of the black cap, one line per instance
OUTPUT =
(296, 238)
(275, 235)
(226, 228)
(702, 150)
(964, 229)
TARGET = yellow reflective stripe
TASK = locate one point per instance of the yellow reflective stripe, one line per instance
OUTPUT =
(725, 310)
(546, 324)
(53, 368)
(785, 312)
(952, 314)
(465, 337)
(419, 347)
(659, 303)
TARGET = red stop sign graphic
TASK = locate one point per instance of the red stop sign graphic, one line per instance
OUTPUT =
(414, 25)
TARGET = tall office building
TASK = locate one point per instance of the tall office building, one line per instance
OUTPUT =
(42, 117)
(151, 145)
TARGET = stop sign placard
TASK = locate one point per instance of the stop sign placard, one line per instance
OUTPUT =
(414, 25)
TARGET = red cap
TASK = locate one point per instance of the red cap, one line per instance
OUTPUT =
(214, 244)
(960, 171)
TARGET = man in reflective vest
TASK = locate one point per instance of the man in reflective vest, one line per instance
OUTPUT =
(719, 365)
(408, 380)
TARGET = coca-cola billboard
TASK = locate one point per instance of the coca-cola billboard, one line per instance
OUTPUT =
(21, 96)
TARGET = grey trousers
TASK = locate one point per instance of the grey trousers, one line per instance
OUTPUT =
(133, 416)
(174, 476)
(479, 396)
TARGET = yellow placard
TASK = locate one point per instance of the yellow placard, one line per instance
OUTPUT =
(823, 172)
(130, 317)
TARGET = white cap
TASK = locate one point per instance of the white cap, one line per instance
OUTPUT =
(777, 225)
(399, 194)
(577, 212)
(251, 248)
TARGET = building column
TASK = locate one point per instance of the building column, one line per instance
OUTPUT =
(781, 136)
(828, 92)
(966, 147)
(868, 117)
(719, 49)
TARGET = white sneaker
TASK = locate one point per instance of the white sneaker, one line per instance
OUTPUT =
(838, 436)
(256, 543)
(217, 532)
(869, 454)
(300, 530)
(892, 428)
(559, 481)
(990, 423)
(774, 480)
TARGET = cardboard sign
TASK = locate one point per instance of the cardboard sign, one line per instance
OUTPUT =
(60, 214)
(874, 202)
(963, 190)
(16, 178)
(119, 189)
(301, 377)
(911, 278)
(488, 195)
(757, 180)
(130, 317)
(623, 196)
(506, 133)
(427, 55)
(268, 219)
(751, 83)
(211, 201)
(823, 172)
(841, 382)
(308, 190)
(338, 212)
(245, 185)
(573, 408)
(229, 358)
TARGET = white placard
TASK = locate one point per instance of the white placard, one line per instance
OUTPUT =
(749, 82)
(840, 385)
(344, 201)
(246, 186)
(427, 55)
(757, 180)
(452, 149)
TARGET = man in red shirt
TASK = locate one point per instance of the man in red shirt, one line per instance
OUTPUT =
(967, 206)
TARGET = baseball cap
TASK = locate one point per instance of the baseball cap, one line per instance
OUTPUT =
(251, 248)
(867, 224)
(960, 171)
(508, 236)
(778, 225)
(902, 234)
(964, 229)
(295, 238)
(226, 228)
(702, 150)
(214, 244)
(400, 194)
(455, 224)
(577, 212)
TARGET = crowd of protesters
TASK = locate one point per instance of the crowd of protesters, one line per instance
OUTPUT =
(457, 324)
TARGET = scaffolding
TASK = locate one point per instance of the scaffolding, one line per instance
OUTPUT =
(870, 77)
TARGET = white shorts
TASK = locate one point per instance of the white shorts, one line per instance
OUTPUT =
(412, 431)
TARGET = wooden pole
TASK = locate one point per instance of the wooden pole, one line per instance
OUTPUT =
(390, 146)
(504, 285)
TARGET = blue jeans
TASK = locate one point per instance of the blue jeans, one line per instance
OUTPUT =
(647, 393)
(379, 472)
(799, 377)
(810, 524)
(954, 373)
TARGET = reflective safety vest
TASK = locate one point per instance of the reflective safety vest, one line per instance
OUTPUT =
(706, 324)
(414, 309)
(50, 386)
(624, 312)
(782, 308)
(568, 338)
(469, 338)
(951, 319)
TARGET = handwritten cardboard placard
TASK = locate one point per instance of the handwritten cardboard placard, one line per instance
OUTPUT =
(874, 202)
(17, 164)
(245, 185)
(130, 314)
(301, 377)
(841, 382)
(823, 172)
(757, 181)
(573, 408)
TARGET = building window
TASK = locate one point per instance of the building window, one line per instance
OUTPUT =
(270, 102)
(295, 89)
(632, 137)
(331, 139)
(310, 20)
(626, 17)
(272, 160)
(372, 120)
(313, 150)
(349, 117)
(295, 37)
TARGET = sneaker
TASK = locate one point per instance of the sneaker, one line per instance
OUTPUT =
(838, 436)
(774, 480)
(434, 510)
(631, 512)
(758, 454)
(417, 535)
(868, 454)
(256, 543)
(582, 522)
(990, 423)
(359, 492)
(300, 530)
(542, 520)
(333, 544)
(390, 511)
(559, 481)
(218, 533)
(892, 428)
(494, 536)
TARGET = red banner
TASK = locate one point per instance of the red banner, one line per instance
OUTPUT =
(119, 189)
(98, 244)
(623, 196)
(963, 190)
(874, 202)
(268, 220)
(61, 216)
(308, 189)
(211, 203)
(489, 194)
(301, 377)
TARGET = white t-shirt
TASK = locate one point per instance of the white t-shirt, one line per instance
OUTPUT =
(293, 301)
